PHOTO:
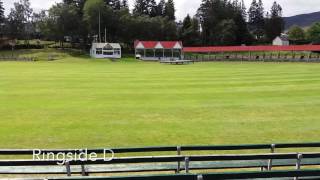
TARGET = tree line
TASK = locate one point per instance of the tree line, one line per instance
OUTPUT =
(298, 35)
(217, 22)
(79, 20)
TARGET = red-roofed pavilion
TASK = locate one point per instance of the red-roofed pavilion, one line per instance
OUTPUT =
(158, 50)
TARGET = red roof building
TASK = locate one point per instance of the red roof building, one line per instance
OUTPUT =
(158, 50)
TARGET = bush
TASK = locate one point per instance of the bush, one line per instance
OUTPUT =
(23, 46)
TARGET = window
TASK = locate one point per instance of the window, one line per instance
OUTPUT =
(107, 49)
(107, 53)
(99, 51)
(117, 52)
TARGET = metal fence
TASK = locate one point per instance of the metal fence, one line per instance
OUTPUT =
(181, 163)
(271, 57)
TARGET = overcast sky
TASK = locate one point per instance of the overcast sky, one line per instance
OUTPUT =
(184, 7)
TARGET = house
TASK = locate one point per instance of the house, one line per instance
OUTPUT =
(158, 50)
(106, 50)
(67, 38)
(4, 41)
(282, 40)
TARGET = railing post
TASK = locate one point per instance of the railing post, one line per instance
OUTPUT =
(83, 168)
(199, 177)
(179, 163)
(68, 168)
(298, 164)
(273, 146)
(187, 163)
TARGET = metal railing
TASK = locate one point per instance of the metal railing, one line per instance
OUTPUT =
(178, 163)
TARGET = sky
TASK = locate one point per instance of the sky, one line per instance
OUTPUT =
(184, 7)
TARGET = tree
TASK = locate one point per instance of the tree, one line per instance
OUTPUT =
(2, 18)
(153, 8)
(170, 10)
(124, 4)
(68, 1)
(19, 18)
(186, 31)
(228, 33)
(243, 10)
(140, 7)
(67, 21)
(38, 20)
(256, 19)
(146, 7)
(214, 15)
(116, 4)
(274, 25)
(189, 32)
(161, 8)
(92, 11)
(296, 33)
(313, 33)
(168, 29)
(242, 33)
(196, 35)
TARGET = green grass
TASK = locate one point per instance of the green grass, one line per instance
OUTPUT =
(85, 103)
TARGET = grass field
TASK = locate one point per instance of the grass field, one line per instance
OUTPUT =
(80, 103)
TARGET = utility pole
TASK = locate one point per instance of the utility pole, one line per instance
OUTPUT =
(105, 34)
(99, 26)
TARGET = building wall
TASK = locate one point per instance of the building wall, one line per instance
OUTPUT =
(279, 42)
(159, 54)
(101, 56)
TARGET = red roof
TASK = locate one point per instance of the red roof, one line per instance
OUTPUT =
(251, 48)
(170, 44)
(152, 44)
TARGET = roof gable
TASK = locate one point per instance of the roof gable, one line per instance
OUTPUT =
(158, 46)
(115, 45)
(177, 46)
(106, 45)
(281, 38)
(140, 45)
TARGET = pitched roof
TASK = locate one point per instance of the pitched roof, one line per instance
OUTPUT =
(158, 44)
(284, 38)
(102, 45)
(169, 44)
(149, 44)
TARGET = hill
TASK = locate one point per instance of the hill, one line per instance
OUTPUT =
(303, 20)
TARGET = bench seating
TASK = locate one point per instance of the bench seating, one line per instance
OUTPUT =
(177, 62)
